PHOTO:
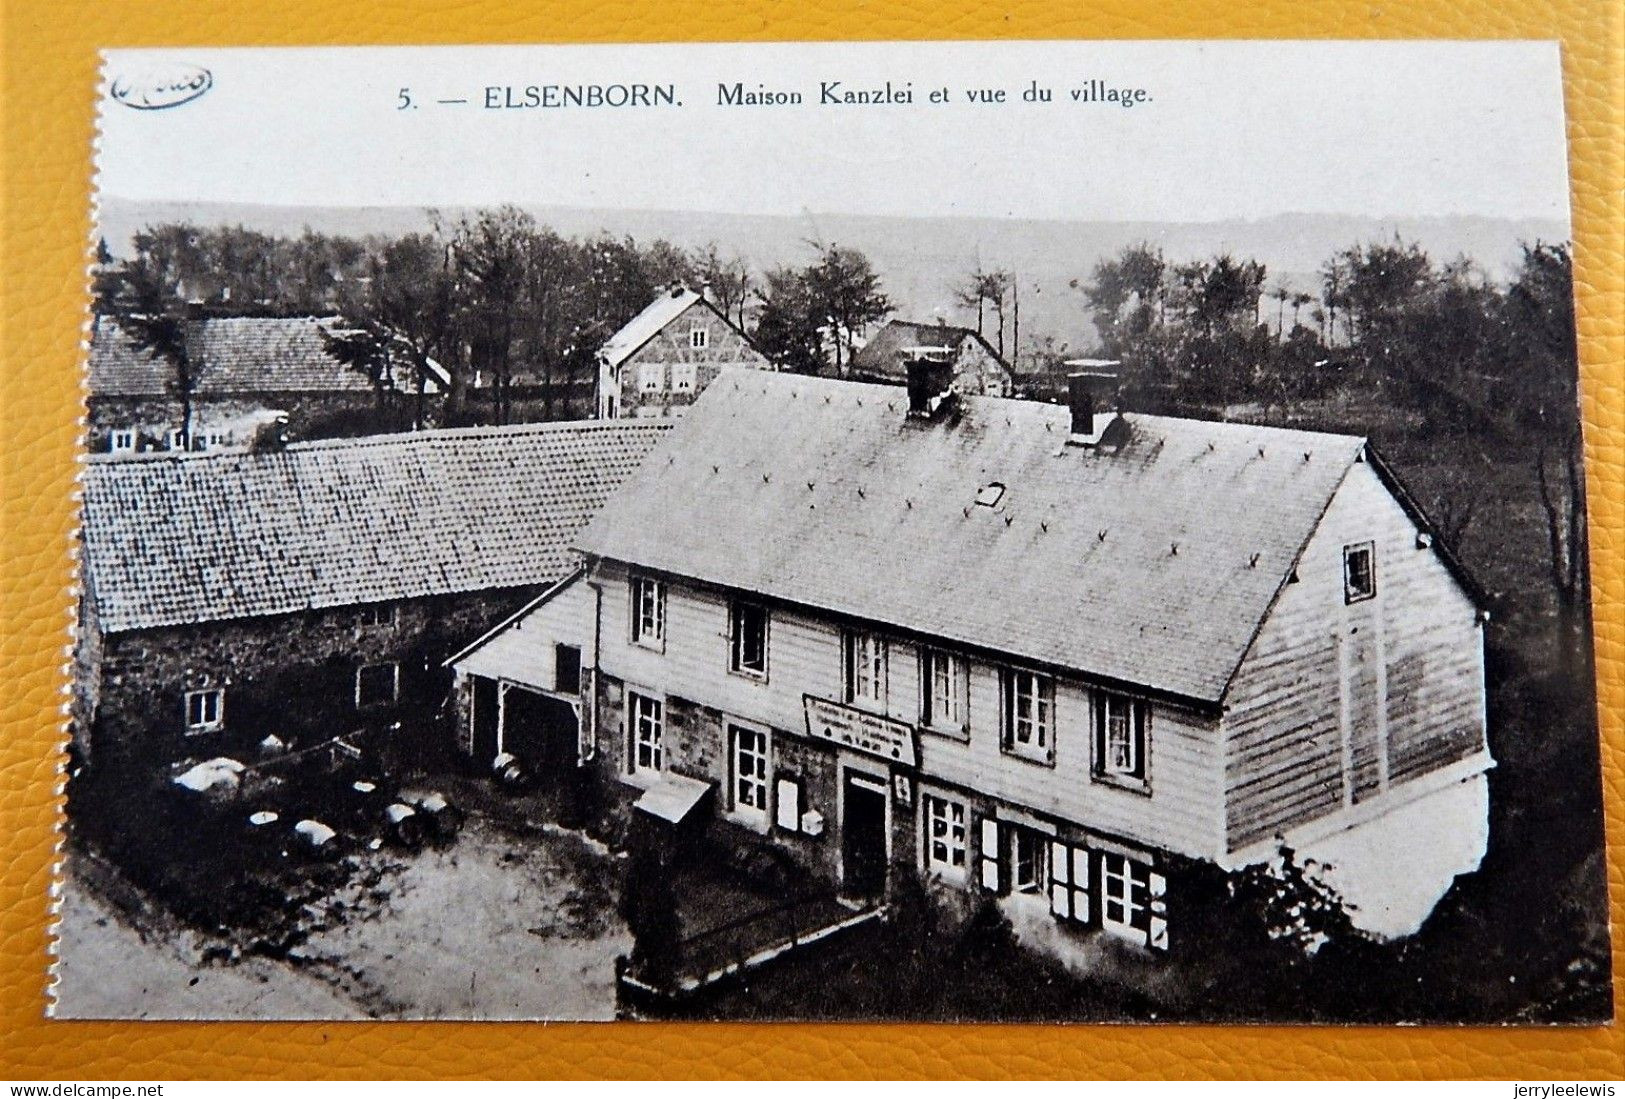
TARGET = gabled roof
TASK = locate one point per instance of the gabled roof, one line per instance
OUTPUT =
(667, 307)
(236, 355)
(172, 539)
(1151, 563)
(881, 356)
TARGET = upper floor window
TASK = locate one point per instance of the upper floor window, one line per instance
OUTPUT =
(376, 685)
(1029, 715)
(649, 612)
(567, 669)
(122, 441)
(683, 376)
(747, 633)
(866, 668)
(1120, 737)
(945, 681)
(699, 337)
(1359, 571)
(652, 377)
(205, 710)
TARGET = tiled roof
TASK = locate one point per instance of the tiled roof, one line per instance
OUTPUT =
(1149, 564)
(237, 355)
(879, 358)
(191, 538)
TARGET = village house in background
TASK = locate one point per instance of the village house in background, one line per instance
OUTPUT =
(311, 591)
(977, 368)
(664, 357)
(1061, 654)
(246, 372)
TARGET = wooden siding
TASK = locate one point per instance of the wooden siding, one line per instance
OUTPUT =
(1181, 813)
(1336, 702)
(524, 651)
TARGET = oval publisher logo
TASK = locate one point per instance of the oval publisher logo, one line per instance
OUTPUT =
(157, 89)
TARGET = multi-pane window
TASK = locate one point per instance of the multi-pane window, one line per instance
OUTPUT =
(699, 337)
(1120, 736)
(866, 668)
(750, 772)
(946, 847)
(377, 614)
(1028, 872)
(652, 377)
(1359, 572)
(648, 720)
(1029, 715)
(205, 710)
(1131, 900)
(649, 612)
(683, 376)
(747, 631)
(945, 679)
(376, 685)
(122, 441)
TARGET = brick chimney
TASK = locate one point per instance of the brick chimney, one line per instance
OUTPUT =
(930, 382)
(1091, 393)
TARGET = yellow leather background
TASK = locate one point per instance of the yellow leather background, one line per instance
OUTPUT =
(49, 52)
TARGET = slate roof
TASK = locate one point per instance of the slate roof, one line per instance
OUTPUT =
(879, 358)
(821, 493)
(172, 539)
(238, 355)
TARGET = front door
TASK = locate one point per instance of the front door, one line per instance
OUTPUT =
(863, 835)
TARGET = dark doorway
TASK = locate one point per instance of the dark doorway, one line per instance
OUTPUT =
(541, 731)
(484, 722)
(863, 836)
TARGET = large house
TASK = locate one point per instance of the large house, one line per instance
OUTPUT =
(233, 595)
(663, 358)
(1064, 655)
(247, 372)
(977, 368)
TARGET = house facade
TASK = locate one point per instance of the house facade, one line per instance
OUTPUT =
(307, 592)
(663, 358)
(1066, 657)
(248, 372)
(977, 368)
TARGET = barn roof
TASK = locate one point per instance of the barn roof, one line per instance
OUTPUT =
(881, 358)
(237, 355)
(173, 539)
(1151, 563)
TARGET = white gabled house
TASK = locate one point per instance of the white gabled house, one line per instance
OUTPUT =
(663, 358)
(1056, 653)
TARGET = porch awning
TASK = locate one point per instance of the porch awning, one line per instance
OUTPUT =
(673, 798)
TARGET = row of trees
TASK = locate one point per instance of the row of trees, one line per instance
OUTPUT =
(491, 294)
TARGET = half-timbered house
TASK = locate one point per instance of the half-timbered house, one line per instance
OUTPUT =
(1061, 654)
(663, 358)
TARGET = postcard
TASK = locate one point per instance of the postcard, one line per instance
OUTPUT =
(1042, 531)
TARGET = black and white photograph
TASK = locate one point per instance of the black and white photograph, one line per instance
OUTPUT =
(1027, 531)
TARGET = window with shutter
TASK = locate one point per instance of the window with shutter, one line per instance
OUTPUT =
(990, 855)
(1069, 881)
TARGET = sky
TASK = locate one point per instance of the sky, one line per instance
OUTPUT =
(1225, 130)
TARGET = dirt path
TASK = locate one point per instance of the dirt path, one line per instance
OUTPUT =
(497, 925)
(110, 970)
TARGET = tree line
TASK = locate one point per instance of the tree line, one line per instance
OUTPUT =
(491, 295)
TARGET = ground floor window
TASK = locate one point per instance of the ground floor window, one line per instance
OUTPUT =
(1069, 881)
(648, 723)
(1131, 900)
(1028, 872)
(946, 844)
(750, 772)
(205, 710)
(376, 685)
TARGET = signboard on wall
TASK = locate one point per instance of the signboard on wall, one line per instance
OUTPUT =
(859, 730)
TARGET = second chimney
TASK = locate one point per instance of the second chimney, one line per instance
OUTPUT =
(1089, 397)
(930, 381)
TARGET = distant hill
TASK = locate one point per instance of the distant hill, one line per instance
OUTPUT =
(919, 259)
